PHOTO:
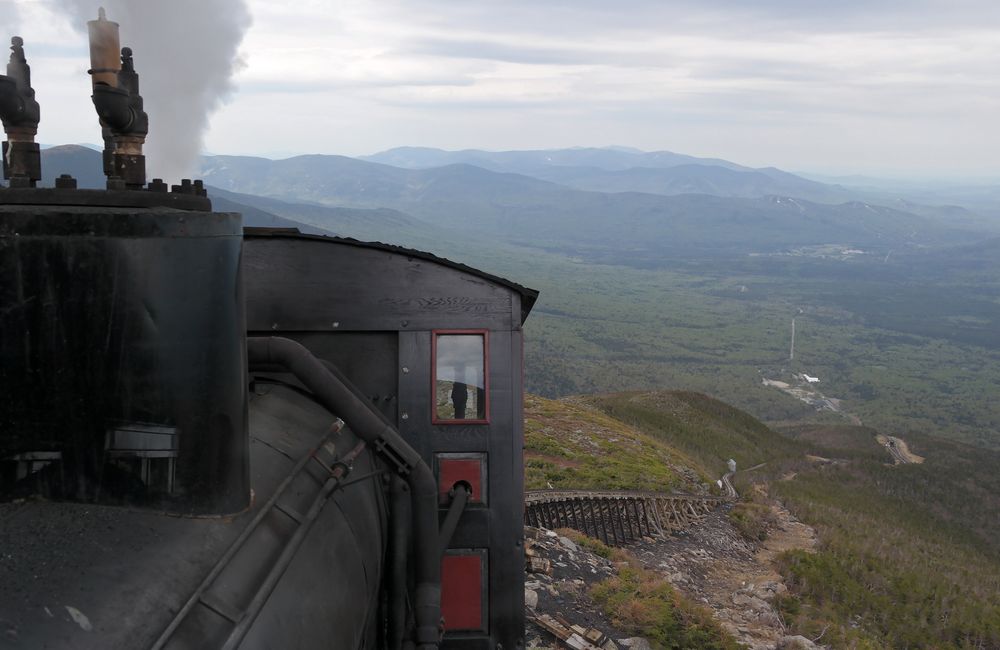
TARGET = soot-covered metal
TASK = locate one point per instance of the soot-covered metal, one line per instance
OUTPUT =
(121, 357)
(121, 360)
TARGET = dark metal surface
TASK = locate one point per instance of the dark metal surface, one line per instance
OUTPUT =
(122, 352)
(372, 308)
(368, 424)
(424, 300)
(125, 573)
(151, 198)
(368, 359)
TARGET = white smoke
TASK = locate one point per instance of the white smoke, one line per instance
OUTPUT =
(186, 53)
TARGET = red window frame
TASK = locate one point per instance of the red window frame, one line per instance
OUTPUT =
(450, 466)
(486, 376)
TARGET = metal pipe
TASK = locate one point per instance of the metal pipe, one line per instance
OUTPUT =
(105, 47)
(459, 497)
(399, 535)
(368, 425)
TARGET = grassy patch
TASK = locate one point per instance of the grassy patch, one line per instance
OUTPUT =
(641, 603)
(703, 428)
(573, 446)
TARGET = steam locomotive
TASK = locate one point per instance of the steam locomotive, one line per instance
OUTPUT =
(218, 437)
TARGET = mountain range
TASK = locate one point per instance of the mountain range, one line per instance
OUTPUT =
(529, 210)
(617, 170)
(412, 204)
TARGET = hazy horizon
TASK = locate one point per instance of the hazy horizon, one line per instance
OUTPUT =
(824, 176)
(900, 90)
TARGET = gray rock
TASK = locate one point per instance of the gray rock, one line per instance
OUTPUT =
(568, 543)
(636, 643)
(741, 600)
(797, 642)
(530, 598)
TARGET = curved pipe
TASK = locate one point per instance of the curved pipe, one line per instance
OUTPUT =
(114, 107)
(399, 530)
(459, 498)
(337, 397)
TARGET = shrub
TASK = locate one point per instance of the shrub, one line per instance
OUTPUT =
(752, 520)
(642, 603)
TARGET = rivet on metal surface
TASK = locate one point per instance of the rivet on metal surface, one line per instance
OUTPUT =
(406, 370)
(336, 323)
(405, 323)
(405, 416)
(274, 326)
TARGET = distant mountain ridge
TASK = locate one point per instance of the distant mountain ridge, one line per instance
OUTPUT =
(623, 170)
(525, 209)
(422, 206)
(606, 158)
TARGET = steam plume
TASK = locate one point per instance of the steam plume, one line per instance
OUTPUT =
(186, 53)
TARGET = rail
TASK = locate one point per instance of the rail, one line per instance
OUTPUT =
(617, 518)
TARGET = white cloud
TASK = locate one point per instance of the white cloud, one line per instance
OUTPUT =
(905, 86)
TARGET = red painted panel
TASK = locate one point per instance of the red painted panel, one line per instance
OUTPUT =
(453, 470)
(462, 592)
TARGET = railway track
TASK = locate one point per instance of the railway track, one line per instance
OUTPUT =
(728, 486)
(619, 518)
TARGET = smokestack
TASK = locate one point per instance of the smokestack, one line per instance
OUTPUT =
(124, 123)
(105, 48)
(201, 39)
(20, 114)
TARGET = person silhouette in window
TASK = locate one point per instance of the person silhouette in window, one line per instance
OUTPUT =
(459, 396)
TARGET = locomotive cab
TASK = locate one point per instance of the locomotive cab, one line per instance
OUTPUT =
(437, 347)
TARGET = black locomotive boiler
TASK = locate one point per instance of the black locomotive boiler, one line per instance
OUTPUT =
(213, 437)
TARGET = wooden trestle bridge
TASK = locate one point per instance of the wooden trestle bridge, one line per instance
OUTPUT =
(616, 518)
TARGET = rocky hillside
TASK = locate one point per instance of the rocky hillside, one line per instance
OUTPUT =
(835, 540)
(708, 586)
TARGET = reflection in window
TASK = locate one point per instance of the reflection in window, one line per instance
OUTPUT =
(460, 378)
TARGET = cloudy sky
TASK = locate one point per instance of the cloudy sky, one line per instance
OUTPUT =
(898, 87)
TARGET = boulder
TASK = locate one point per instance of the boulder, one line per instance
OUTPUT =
(530, 598)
